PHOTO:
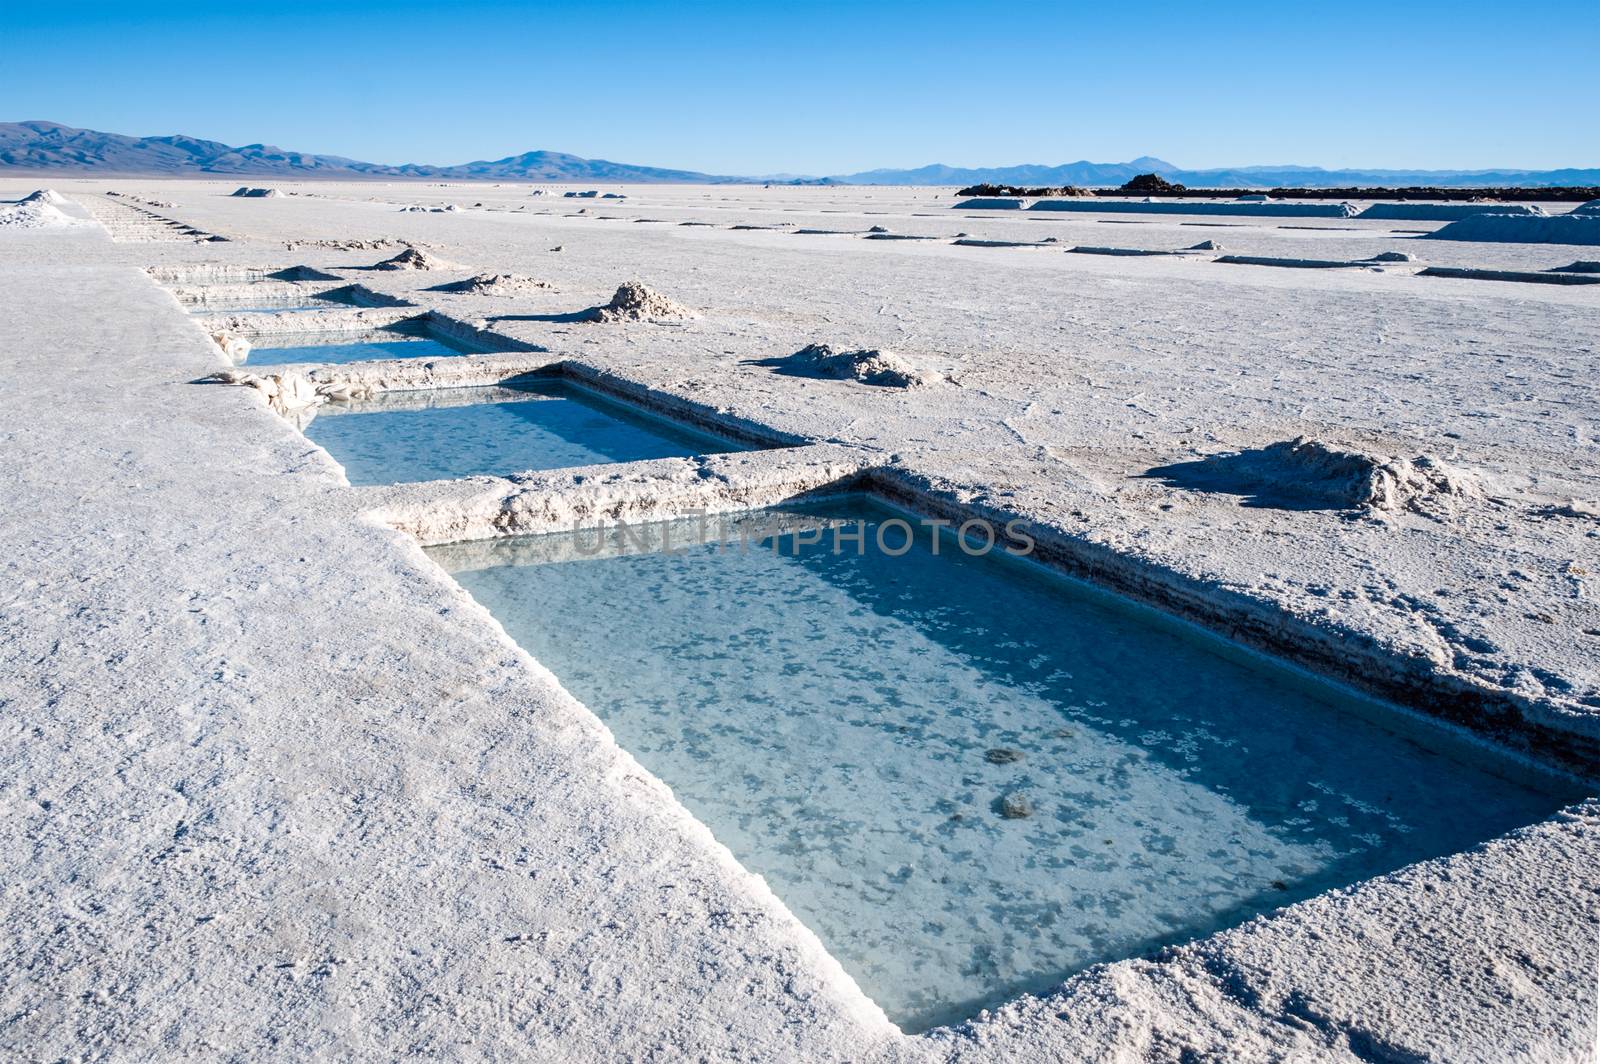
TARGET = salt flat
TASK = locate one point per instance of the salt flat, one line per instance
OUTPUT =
(282, 790)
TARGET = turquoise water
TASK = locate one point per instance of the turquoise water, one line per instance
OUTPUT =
(342, 348)
(855, 728)
(460, 432)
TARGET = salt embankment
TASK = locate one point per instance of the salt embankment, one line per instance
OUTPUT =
(989, 203)
(1581, 226)
(1249, 208)
(1444, 212)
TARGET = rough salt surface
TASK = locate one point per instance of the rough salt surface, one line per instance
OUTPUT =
(204, 851)
(494, 284)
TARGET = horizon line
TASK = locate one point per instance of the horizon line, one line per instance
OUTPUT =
(796, 175)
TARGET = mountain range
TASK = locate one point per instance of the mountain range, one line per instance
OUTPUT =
(49, 147)
(52, 147)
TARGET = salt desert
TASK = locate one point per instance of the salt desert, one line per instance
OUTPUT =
(313, 763)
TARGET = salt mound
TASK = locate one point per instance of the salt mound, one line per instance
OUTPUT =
(869, 366)
(1368, 480)
(494, 284)
(1204, 245)
(1579, 227)
(1592, 207)
(1581, 266)
(634, 302)
(256, 193)
(37, 211)
(1311, 474)
(412, 259)
(1393, 256)
(235, 348)
(46, 195)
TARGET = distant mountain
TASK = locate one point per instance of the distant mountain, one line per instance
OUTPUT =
(50, 146)
(557, 166)
(1078, 173)
(1112, 175)
(1316, 177)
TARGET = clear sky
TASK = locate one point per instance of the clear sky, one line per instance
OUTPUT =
(828, 87)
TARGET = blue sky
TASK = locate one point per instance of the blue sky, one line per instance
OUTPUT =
(827, 87)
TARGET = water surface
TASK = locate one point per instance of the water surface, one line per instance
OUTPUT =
(496, 431)
(853, 727)
(342, 348)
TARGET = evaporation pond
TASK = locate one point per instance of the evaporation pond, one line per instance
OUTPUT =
(459, 432)
(342, 348)
(263, 303)
(969, 776)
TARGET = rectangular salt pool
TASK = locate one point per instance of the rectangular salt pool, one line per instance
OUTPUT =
(342, 348)
(459, 432)
(267, 296)
(260, 304)
(972, 777)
